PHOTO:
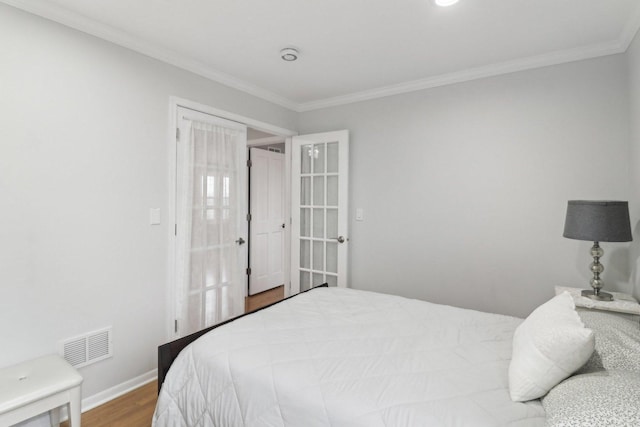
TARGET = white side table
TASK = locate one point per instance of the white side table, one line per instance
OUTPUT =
(622, 303)
(37, 386)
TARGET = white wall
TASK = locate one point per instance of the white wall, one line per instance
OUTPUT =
(464, 187)
(633, 58)
(83, 156)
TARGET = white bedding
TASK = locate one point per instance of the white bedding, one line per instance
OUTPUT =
(341, 357)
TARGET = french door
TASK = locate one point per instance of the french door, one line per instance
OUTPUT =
(211, 226)
(319, 195)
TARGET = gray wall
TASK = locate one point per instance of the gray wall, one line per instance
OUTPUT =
(464, 187)
(83, 156)
(633, 58)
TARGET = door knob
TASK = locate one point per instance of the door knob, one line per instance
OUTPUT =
(340, 239)
(240, 241)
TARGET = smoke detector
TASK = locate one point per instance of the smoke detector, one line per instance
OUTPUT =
(289, 54)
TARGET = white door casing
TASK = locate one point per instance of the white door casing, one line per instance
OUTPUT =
(211, 226)
(319, 210)
(268, 220)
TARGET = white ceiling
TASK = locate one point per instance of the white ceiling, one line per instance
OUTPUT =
(352, 49)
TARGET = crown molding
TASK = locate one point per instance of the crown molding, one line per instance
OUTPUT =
(121, 38)
(554, 58)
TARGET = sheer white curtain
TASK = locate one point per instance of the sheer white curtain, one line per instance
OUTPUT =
(210, 201)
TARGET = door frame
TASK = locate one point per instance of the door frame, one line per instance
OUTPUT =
(174, 103)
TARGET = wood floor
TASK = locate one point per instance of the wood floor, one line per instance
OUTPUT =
(135, 409)
(264, 298)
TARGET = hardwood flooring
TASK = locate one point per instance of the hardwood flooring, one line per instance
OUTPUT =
(135, 409)
(264, 298)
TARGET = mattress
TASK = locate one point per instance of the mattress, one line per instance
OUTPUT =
(343, 357)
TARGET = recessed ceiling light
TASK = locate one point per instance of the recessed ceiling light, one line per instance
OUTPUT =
(289, 54)
(444, 3)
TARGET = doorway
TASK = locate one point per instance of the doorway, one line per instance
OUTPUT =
(268, 218)
(315, 212)
(208, 266)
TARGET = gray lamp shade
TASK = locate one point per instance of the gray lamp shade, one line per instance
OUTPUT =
(598, 221)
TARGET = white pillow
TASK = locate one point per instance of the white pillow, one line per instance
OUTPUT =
(550, 345)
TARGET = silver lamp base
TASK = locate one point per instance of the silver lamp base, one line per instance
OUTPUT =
(596, 282)
(600, 296)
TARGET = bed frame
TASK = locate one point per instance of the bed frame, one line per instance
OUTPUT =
(168, 352)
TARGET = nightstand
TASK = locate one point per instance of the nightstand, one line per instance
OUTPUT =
(37, 386)
(622, 303)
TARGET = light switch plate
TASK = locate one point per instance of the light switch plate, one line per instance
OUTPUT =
(154, 216)
(359, 214)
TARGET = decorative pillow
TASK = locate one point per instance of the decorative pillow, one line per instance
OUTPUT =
(551, 344)
(617, 340)
(598, 399)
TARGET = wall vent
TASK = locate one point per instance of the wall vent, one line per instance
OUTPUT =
(86, 349)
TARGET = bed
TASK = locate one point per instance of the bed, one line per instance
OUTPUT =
(343, 357)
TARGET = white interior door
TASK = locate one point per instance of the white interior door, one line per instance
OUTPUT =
(319, 196)
(267, 226)
(211, 226)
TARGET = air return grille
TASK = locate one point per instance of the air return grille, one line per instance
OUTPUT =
(88, 348)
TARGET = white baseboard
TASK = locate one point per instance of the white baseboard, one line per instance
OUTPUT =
(109, 394)
(88, 403)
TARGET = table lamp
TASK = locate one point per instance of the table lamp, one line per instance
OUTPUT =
(597, 221)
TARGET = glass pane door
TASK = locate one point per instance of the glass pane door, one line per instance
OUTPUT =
(319, 195)
(211, 210)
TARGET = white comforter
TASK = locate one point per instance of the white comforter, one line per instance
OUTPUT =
(341, 357)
